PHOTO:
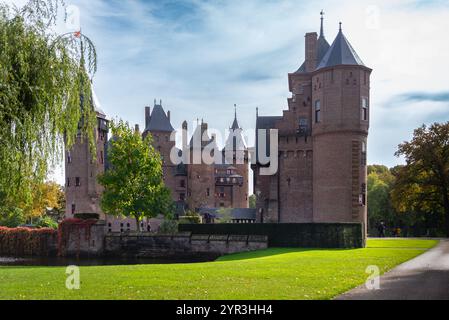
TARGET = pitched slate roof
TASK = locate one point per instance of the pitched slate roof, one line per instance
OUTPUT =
(340, 53)
(159, 121)
(267, 122)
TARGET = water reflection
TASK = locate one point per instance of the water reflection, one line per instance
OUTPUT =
(53, 261)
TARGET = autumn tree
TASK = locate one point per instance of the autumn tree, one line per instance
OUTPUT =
(46, 195)
(423, 183)
(45, 89)
(133, 184)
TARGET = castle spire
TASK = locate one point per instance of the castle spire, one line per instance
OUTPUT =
(322, 24)
(340, 27)
(235, 124)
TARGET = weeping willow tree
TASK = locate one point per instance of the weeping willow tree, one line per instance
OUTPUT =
(45, 95)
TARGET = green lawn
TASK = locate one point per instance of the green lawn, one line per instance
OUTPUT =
(269, 274)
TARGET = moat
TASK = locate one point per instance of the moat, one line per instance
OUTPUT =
(62, 262)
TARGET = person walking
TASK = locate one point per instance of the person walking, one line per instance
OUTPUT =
(381, 229)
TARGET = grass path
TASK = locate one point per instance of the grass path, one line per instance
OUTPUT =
(269, 274)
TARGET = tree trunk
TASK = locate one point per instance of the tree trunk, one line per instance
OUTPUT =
(137, 224)
(446, 209)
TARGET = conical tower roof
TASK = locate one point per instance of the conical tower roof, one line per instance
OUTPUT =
(340, 53)
(235, 139)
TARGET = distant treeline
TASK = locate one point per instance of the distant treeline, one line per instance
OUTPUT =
(403, 207)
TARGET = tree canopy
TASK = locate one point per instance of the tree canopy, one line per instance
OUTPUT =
(45, 80)
(133, 183)
(423, 183)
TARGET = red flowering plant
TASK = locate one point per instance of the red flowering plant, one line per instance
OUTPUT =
(73, 227)
(26, 241)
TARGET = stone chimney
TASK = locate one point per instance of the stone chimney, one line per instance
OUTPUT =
(311, 51)
(168, 115)
(147, 116)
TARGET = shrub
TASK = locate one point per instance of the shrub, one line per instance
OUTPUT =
(189, 220)
(47, 222)
(11, 217)
(168, 227)
(191, 217)
(26, 242)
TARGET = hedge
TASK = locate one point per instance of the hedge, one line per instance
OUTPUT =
(20, 242)
(303, 235)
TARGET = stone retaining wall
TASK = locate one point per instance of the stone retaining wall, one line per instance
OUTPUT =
(147, 245)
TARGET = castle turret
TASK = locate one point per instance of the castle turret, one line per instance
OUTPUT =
(83, 191)
(322, 139)
(340, 117)
(201, 183)
(232, 177)
(157, 123)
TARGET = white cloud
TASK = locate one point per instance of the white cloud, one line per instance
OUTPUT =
(201, 57)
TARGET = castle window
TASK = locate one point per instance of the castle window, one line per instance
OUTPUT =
(68, 182)
(364, 158)
(73, 208)
(364, 111)
(289, 181)
(182, 196)
(317, 111)
(303, 127)
(363, 195)
(101, 157)
(208, 192)
(77, 182)
(182, 183)
(69, 157)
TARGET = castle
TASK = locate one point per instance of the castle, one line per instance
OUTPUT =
(321, 154)
(194, 185)
(322, 140)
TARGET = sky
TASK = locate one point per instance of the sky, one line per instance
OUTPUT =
(202, 57)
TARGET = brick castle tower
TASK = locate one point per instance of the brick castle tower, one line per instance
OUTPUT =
(83, 191)
(322, 141)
